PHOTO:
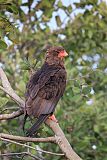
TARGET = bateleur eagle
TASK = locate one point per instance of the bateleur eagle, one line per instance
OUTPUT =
(45, 88)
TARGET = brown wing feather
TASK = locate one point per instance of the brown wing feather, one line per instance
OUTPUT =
(49, 87)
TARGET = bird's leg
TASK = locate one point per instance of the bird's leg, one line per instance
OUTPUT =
(53, 118)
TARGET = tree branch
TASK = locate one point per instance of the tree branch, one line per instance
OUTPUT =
(11, 115)
(27, 139)
(21, 153)
(62, 141)
(30, 147)
(59, 135)
(8, 89)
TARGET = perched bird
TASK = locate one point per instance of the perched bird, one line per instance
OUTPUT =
(45, 88)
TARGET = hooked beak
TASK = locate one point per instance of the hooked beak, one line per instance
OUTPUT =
(62, 54)
(65, 54)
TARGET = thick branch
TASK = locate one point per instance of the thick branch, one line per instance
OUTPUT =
(8, 89)
(59, 135)
(27, 139)
(62, 141)
(11, 115)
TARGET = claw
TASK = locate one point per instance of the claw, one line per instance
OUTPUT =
(53, 118)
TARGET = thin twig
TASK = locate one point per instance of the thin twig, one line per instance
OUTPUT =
(21, 153)
(9, 108)
(25, 145)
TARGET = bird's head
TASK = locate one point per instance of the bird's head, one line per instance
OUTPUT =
(55, 54)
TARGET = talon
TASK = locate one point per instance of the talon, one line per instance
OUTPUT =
(53, 118)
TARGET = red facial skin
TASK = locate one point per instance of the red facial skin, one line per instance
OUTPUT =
(62, 54)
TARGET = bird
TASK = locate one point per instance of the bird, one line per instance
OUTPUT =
(45, 87)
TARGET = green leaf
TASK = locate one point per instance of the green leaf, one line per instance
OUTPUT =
(3, 101)
(76, 84)
(2, 22)
(71, 92)
(12, 8)
(44, 4)
(58, 20)
(3, 45)
(21, 86)
(5, 2)
(86, 90)
(59, 4)
(45, 18)
(103, 148)
(90, 34)
(22, 15)
(1, 33)
(96, 128)
(69, 8)
(76, 97)
(76, 90)
(25, 65)
(80, 5)
(13, 36)
(25, 4)
(83, 144)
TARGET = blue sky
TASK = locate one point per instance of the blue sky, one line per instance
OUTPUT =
(62, 14)
(52, 24)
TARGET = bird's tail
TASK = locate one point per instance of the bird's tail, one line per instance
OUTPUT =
(24, 121)
(42, 118)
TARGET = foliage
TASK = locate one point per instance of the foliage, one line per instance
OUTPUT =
(82, 110)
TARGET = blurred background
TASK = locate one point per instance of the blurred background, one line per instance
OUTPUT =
(80, 26)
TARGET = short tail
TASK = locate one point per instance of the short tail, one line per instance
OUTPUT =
(42, 118)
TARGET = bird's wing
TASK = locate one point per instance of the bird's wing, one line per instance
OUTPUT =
(45, 93)
(38, 80)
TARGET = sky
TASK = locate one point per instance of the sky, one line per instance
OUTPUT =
(62, 14)
(52, 24)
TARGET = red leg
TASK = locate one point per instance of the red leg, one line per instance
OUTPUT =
(53, 118)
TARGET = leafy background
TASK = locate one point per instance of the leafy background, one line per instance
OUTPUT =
(26, 28)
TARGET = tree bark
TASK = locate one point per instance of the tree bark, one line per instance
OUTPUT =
(62, 141)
